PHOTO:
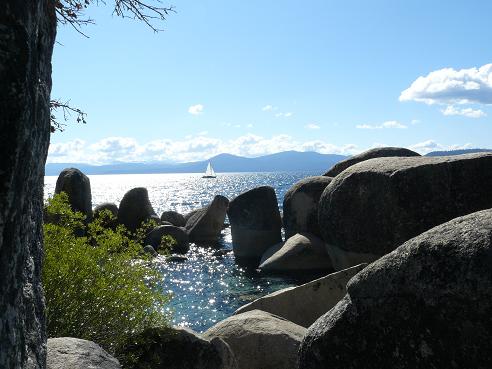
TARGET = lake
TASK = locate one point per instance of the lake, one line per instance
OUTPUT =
(209, 286)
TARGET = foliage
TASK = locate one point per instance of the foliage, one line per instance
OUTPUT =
(98, 287)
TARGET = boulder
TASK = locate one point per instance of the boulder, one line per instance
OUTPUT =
(427, 304)
(374, 206)
(135, 208)
(187, 216)
(206, 224)
(304, 304)
(174, 218)
(179, 234)
(75, 353)
(255, 222)
(78, 188)
(300, 208)
(150, 250)
(301, 252)
(379, 152)
(260, 340)
(176, 348)
(112, 208)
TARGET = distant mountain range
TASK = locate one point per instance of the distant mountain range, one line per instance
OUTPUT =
(287, 161)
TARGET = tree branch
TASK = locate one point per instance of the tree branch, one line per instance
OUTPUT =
(67, 113)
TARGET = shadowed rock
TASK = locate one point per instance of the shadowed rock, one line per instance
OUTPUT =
(300, 208)
(135, 208)
(78, 188)
(112, 208)
(174, 218)
(74, 353)
(379, 152)
(374, 206)
(260, 340)
(427, 304)
(206, 224)
(255, 222)
(179, 234)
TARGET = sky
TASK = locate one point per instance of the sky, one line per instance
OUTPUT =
(257, 77)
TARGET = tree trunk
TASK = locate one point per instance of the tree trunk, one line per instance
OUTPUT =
(27, 34)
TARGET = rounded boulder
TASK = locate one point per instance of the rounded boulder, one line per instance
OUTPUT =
(135, 208)
(78, 188)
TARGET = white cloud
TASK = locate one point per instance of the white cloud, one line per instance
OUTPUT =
(312, 126)
(287, 115)
(268, 108)
(385, 125)
(428, 146)
(415, 121)
(196, 109)
(450, 86)
(249, 126)
(465, 112)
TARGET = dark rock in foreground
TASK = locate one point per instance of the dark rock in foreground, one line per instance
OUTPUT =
(206, 224)
(112, 208)
(428, 304)
(300, 208)
(255, 222)
(78, 188)
(375, 206)
(135, 208)
(178, 234)
(174, 218)
(74, 353)
(177, 348)
(380, 152)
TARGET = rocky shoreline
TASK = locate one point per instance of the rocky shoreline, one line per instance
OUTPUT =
(406, 245)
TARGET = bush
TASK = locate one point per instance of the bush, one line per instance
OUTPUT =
(100, 286)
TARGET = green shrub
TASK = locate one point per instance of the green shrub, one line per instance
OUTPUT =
(99, 287)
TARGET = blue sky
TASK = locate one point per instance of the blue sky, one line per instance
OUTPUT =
(257, 77)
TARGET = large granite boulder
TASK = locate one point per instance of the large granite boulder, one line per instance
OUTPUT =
(206, 224)
(300, 208)
(260, 339)
(255, 222)
(135, 208)
(174, 218)
(176, 348)
(374, 206)
(78, 188)
(75, 353)
(300, 253)
(379, 152)
(306, 303)
(427, 304)
(100, 209)
(154, 238)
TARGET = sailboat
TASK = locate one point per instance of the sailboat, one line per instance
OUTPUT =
(209, 173)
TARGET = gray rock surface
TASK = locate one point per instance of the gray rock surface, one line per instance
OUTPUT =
(379, 152)
(74, 353)
(300, 207)
(301, 252)
(135, 208)
(178, 348)
(260, 340)
(206, 224)
(255, 222)
(304, 304)
(174, 218)
(179, 234)
(374, 206)
(78, 188)
(427, 304)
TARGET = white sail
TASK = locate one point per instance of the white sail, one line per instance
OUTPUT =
(210, 171)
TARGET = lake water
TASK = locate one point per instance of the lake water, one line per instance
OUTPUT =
(209, 286)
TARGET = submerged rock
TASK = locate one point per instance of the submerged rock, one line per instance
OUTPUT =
(205, 225)
(78, 188)
(255, 222)
(135, 208)
(379, 152)
(427, 304)
(300, 207)
(374, 206)
(306, 303)
(176, 348)
(300, 253)
(75, 353)
(260, 340)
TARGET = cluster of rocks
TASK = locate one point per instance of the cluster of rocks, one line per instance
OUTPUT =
(410, 240)
(201, 226)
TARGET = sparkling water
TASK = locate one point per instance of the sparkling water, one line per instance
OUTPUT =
(209, 286)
